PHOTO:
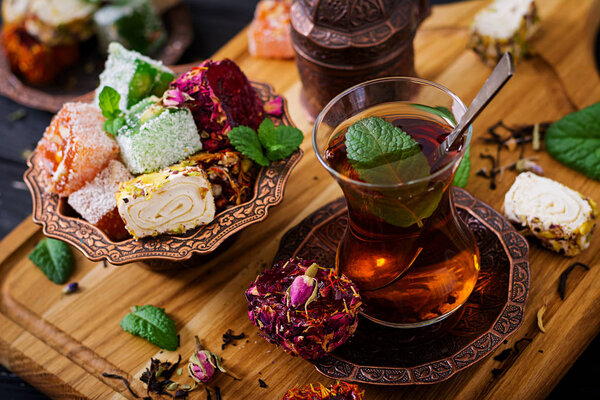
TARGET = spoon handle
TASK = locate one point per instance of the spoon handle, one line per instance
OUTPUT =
(503, 71)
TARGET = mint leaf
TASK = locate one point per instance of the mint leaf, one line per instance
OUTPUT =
(153, 324)
(462, 173)
(373, 141)
(246, 141)
(440, 111)
(54, 258)
(574, 140)
(108, 101)
(112, 126)
(384, 154)
(279, 142)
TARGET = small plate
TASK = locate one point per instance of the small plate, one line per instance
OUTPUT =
(388, 356)
(57, 220)
(75, 81)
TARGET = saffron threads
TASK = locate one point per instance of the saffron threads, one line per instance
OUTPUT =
(124, 380)
(562, 282)
(540, 316)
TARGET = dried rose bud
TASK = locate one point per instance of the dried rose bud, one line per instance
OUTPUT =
(203, 364)
(303, 288)
(274, 107)
(175, 98)
(70, 288)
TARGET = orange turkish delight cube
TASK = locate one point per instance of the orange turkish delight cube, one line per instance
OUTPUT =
(75, 148)
(269, 35)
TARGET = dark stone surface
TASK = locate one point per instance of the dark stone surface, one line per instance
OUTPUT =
(215, 22)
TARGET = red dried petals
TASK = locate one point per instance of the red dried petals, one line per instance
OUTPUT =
(337, 391)
(309, 330)
(222, 98)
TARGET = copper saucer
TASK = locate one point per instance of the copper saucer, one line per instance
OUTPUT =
(387, 356)
(60, 222)
(77, 82)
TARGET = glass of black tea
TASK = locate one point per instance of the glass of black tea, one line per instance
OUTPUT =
(413, 258)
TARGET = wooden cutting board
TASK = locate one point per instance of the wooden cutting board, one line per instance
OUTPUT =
(62, 344)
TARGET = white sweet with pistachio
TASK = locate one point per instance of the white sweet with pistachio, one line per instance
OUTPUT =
(172, 200)
(560, 217)
(502, 18)
(505, 25)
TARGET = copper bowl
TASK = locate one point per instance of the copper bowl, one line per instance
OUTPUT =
(60, 222)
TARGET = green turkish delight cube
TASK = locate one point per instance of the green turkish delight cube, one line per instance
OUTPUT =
(133, 75)
(133, 23)
(156, 137)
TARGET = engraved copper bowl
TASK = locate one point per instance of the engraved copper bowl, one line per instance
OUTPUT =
(51, 97)
(57, 220)
(381, 355)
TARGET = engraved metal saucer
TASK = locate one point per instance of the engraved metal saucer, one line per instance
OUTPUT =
(387, 356)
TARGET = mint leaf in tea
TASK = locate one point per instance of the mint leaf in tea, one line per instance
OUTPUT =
(391, 151)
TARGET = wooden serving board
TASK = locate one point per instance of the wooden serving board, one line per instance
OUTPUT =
(62, 344)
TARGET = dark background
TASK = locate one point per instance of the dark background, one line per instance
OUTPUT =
(215, 23)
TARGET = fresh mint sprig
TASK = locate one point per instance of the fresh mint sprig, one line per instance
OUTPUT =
(54, 258)
(574, 140)
(271, 143)
(108, 101)
(153, 324)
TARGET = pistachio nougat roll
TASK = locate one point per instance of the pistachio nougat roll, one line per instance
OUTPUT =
(172, 200)
(505, 25)
(561, 218)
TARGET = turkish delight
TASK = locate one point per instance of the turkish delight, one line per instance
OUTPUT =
(221, 98)
(171, 200)
(133, 75)
(155, 137)
(75, 148)
(55, 22)
(561, 218)
(37, 62)
(96, 203)
(307, 309)
(269, 34)
(135, 24)
(505, 25)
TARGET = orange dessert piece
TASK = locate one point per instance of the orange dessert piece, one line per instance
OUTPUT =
(75, 148)
(269, 33)
(37, 62)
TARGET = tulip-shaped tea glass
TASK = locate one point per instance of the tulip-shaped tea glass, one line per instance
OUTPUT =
(405, 247)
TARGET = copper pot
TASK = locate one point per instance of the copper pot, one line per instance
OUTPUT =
(340, 43)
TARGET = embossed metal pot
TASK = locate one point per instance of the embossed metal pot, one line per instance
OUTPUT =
(340, 43)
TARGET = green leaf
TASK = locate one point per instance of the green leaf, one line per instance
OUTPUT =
(246, 141)
(462, 173)
(54, 258)
(112, 126)
(574, 140)
(384, 154)
(152, 324)
(440, 111)
(108, 101)
(279, 142)
(373, 141)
